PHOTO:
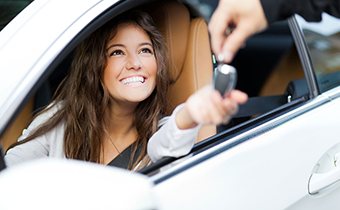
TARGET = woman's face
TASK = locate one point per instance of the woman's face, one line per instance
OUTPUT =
(130, 75)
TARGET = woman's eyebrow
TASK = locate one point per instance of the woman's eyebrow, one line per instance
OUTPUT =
(146, 43)
(121, 45)
(115, 45)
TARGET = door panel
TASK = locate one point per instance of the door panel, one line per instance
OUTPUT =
(270, 171)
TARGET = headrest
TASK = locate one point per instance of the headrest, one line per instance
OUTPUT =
(173, 20)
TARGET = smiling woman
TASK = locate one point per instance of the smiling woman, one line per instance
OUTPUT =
(89, 118)
(111, 107)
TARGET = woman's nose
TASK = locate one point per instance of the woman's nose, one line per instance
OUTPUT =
(133, 63)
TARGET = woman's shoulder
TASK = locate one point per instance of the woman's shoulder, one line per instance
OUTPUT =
(41, 118)
(47, 113)
(162, 121)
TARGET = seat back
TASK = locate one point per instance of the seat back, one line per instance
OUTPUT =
(20, 123)
(190, 66)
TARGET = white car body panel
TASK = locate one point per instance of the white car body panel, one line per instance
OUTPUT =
(45, 38)
(72, 184)
(24, 16)
(251, 175)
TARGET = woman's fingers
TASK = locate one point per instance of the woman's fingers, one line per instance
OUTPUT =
(207, 106)
(217, 112)
(238, 96)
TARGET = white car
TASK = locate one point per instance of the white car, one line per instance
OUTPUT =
(280, 151)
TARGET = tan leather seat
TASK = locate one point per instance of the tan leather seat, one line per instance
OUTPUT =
(191, 64)
(20, 123)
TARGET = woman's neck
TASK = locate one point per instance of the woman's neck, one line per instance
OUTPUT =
(121, 132)
(121, 120)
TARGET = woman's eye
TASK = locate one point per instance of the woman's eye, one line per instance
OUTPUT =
(146, 50)
(116, 52)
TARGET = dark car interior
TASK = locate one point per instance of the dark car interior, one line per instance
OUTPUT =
(269, 71)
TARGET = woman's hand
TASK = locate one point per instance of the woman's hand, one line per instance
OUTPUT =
(207, 106)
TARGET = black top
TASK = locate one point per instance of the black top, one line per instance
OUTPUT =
(122, 160)
(310, 10)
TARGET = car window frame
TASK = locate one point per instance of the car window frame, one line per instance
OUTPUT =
(304, 54)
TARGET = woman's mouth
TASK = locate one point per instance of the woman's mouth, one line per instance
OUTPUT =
(133, 80)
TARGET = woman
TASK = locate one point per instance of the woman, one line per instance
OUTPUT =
(113, 100)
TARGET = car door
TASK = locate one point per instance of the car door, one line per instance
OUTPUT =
(322, 41)
(285, 161)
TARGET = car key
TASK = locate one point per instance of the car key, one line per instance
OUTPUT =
(225, 77)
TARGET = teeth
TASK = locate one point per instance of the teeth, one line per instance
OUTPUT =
(133, 80)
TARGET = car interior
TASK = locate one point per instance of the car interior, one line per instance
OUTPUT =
(269, 71)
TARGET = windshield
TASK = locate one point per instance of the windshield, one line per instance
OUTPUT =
(10, 9)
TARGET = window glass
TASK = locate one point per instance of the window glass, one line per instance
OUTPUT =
(323, 41)
(270, 72)
(10, 9)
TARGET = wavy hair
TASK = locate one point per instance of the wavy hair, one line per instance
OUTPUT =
(84, 100)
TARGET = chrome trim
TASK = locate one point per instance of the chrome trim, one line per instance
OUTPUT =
(248, 135)
(304, 54)
(333, 93)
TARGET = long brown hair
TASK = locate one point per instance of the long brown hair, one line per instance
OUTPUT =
(83, 100)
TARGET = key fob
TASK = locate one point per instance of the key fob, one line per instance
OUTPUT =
(225, 79)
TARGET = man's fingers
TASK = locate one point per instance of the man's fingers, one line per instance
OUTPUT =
(218, 25)
(234, 41)
(247, 16)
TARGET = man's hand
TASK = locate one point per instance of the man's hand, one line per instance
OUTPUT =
(246, 16)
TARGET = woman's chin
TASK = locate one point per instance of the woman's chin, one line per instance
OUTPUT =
(136, 99)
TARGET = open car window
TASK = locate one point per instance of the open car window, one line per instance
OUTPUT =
(323, 42)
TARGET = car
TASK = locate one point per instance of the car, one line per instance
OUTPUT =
(280, 151)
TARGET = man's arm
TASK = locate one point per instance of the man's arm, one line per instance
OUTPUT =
(310, 10)
(252, 16)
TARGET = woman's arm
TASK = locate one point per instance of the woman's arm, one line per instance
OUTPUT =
(49, 144)
(178, 135)
(170, 140)
(36, 148)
